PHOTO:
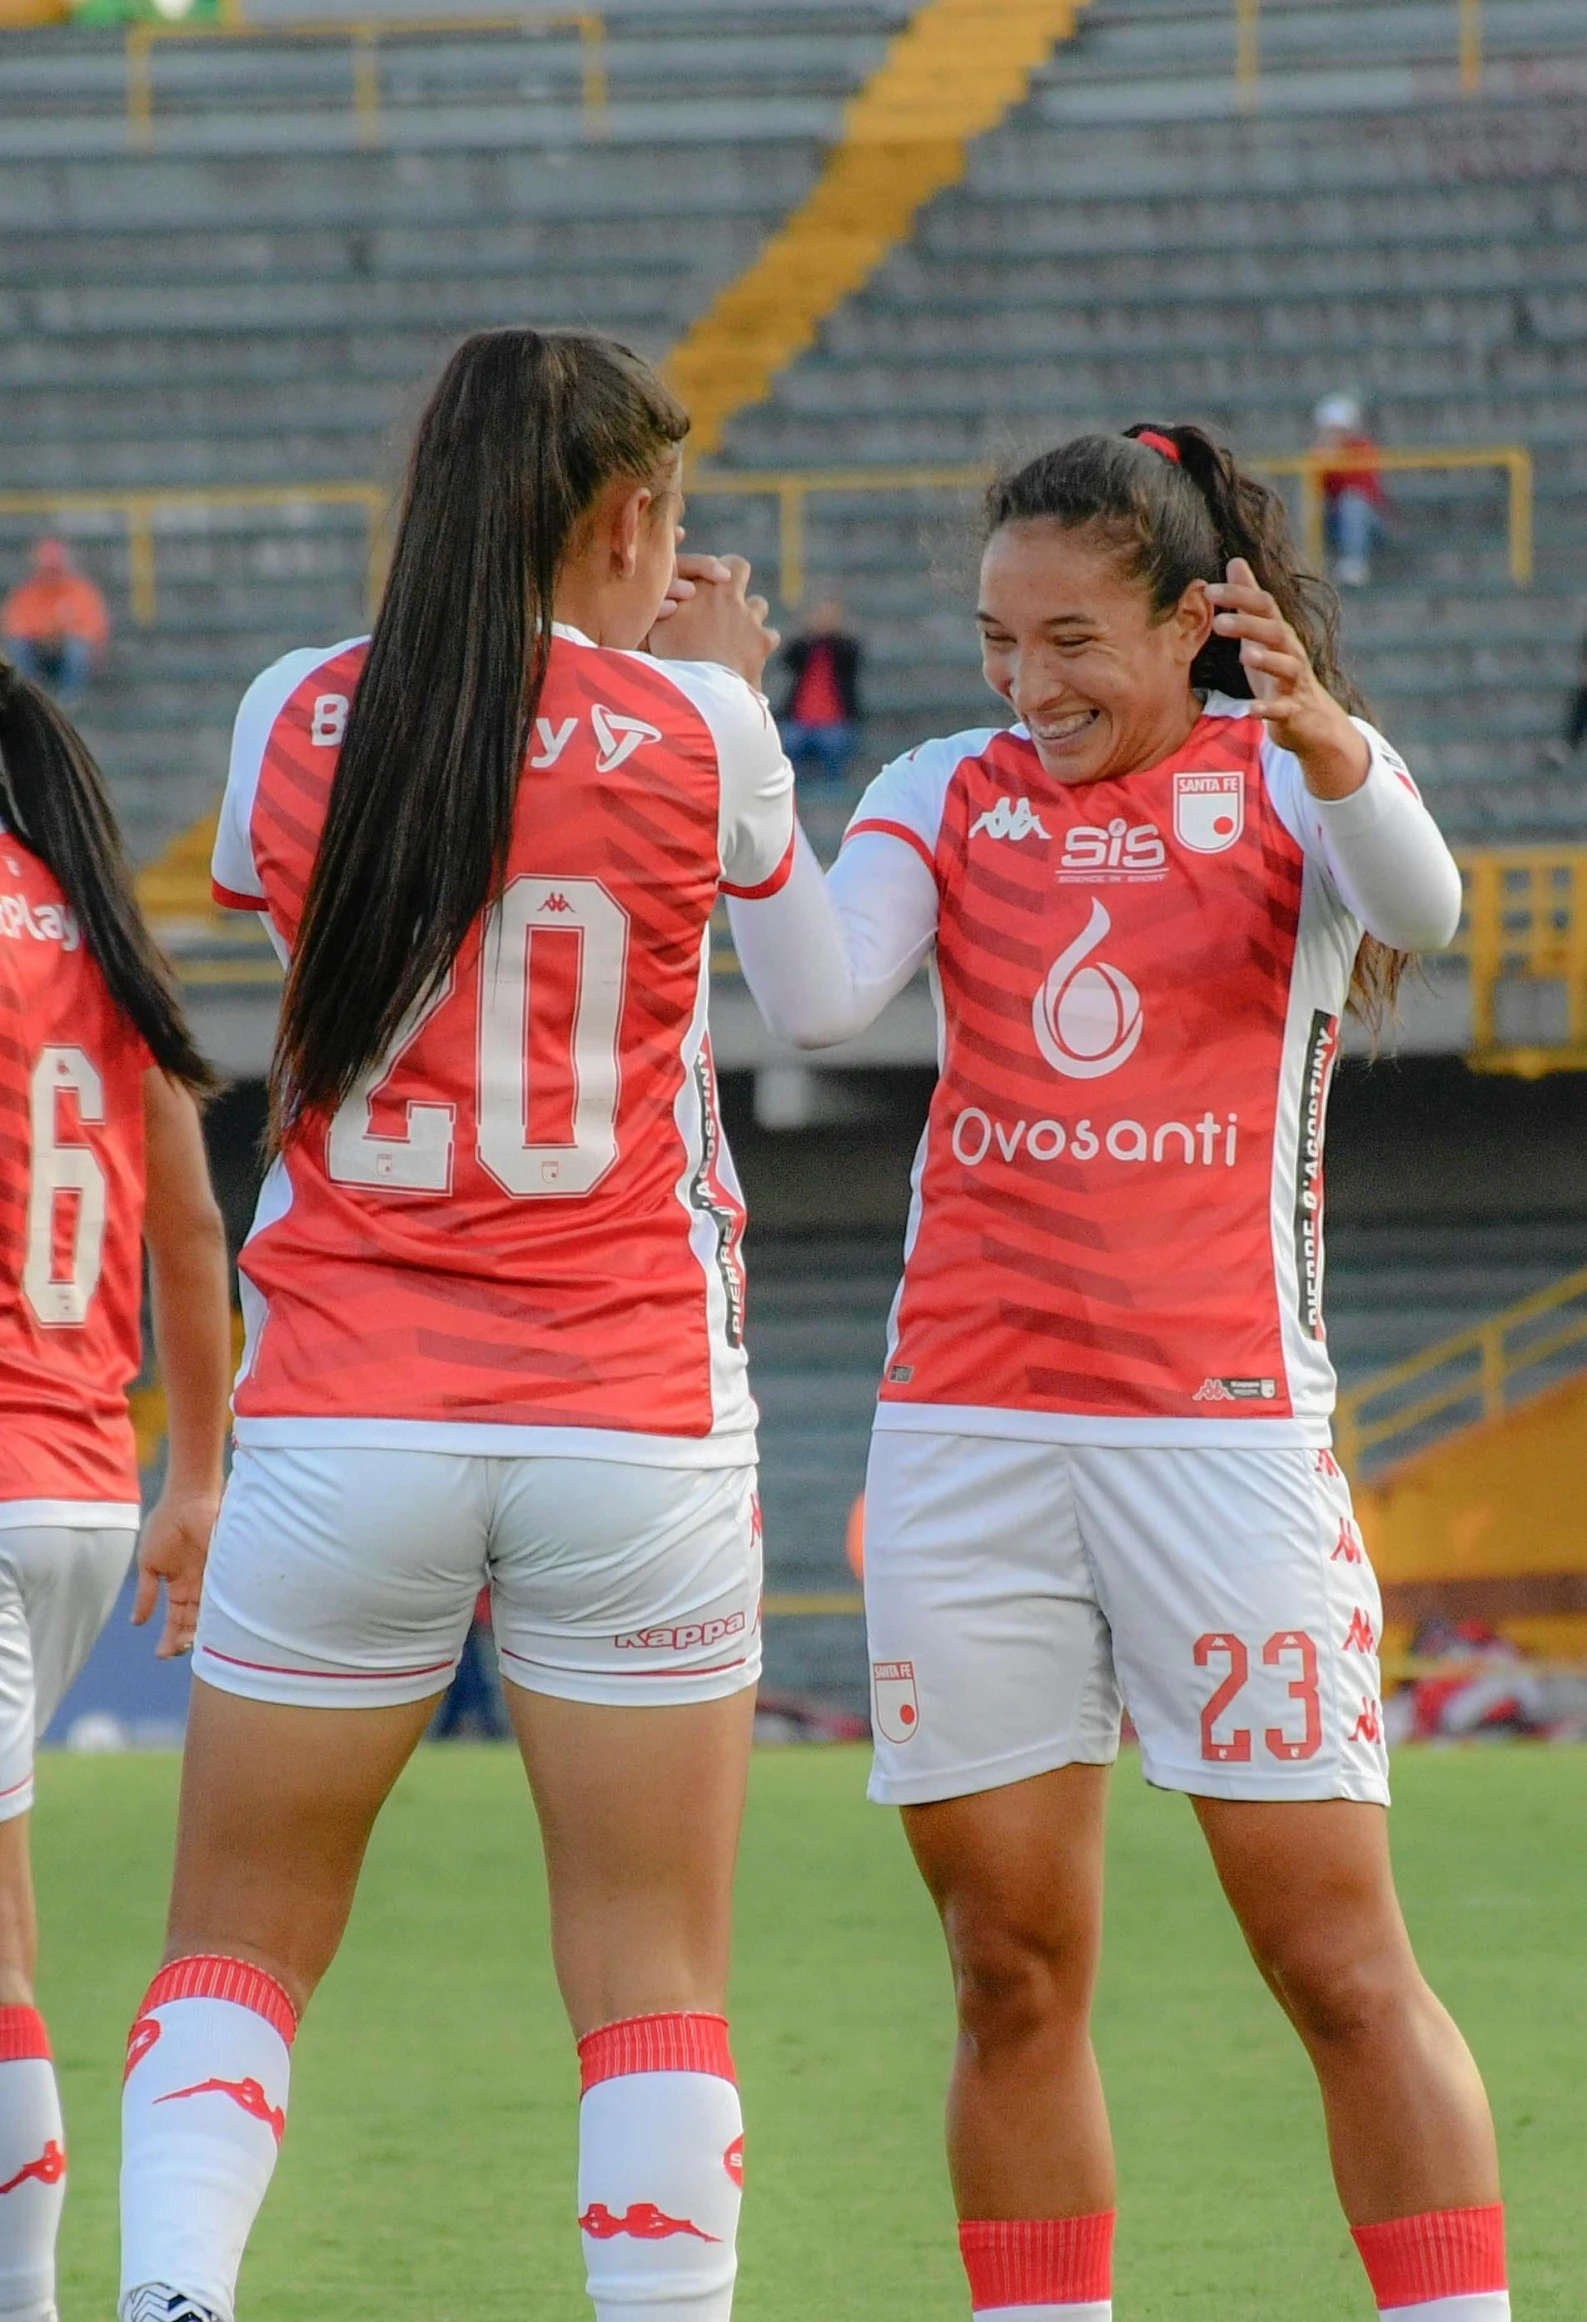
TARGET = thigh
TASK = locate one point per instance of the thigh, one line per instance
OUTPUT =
(343, 1577)
(278, 1802)
(990, 1659)
(16, 1690)
(626, 1586)
(639, 1813)
(1245, 1619)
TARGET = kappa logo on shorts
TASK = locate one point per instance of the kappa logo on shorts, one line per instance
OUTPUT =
(1209, 811)
(685, 1637)
(1369, 1725)
(896, 1701)
(1361, 1636)
(1348, 1548)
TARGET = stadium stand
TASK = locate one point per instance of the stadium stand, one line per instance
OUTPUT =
(1137, 241)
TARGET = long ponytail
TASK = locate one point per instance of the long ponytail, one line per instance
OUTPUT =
(1184, 518)
(522, 432)
(53, 796)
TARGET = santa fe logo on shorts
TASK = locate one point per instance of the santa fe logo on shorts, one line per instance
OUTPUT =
(1209, 811)
(1087, 1015)
(897, 1707)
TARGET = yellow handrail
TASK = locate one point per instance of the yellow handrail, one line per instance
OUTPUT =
(1525, 917)
(139, 509)
(1247, 50)
(1312, 466)
(363, 38)
(1484, 1365)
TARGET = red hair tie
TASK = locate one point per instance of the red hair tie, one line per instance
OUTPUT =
(1160, 443)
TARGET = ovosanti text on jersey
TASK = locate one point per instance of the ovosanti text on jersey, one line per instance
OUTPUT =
(1208, 1143)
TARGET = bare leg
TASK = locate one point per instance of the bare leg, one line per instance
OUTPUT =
(1408, 2123)
(19, 1926)
(639, 1812)
(277, 1808)
(1017, 1875)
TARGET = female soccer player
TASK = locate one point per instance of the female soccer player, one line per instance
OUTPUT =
(494, 1304)
(100, 1153)
(1101, 1457)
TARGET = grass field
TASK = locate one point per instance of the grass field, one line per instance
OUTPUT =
(428, 2173)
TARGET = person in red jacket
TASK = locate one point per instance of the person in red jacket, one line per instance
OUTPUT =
(1354, 501)
(55, 624)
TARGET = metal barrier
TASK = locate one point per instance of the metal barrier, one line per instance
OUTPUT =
(1248, 50)
(140, 509)
(1473, 1375)
(364, 40)
(792, 490)
(1525, 918)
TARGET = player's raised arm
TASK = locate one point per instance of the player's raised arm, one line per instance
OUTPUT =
(188, 1289)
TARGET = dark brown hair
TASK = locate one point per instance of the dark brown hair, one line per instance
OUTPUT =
(523, 431)
(54, 797)
(1174, 521)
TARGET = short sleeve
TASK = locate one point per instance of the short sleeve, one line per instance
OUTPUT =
(906, 799)
(234, 876)
(755, 832)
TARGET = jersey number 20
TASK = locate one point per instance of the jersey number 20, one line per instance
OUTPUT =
(69, 1171)
(420, 1161)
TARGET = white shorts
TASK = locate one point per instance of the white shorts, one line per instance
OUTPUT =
(58, 1583)
(344, 1578)
(1013, 1590)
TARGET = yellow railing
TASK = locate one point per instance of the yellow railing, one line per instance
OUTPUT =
(140, 511)
(1312, 466)
(1248, 49)
(1470, 1376)
(792, 489)
(364, 42)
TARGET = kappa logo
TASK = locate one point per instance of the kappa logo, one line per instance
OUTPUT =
(1010, 818)
(1087, 1015)
(556, 903)
(1361, 1636)
(1236, 1391)
(1348, 1548)
(1209, 811)
(248, 2094)
(48, 2169)
(1369, 1725)
(641, 2221)
(896, 1702)
(140, 2040)
(686, 1637)
(617, 737)
(1326, 1464)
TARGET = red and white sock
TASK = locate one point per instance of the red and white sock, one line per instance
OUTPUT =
(1446, 2265)
(32, 2168)
(661, 2168)
(203, 2112)
(1041, 2269)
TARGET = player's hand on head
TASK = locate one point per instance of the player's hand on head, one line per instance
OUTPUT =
(687, 573)
(719, 620)
(172, 1551)
(1297, 708)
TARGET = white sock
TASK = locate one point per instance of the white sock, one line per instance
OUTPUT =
(1479, 2306)
(203, 2112)
(32, 2168)
(661, 2167)
(1094, 2310)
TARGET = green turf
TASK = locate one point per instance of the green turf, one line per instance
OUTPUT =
(428, 2173)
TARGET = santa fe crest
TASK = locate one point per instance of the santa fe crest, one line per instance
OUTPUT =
(1209, 811)
(893, 1692)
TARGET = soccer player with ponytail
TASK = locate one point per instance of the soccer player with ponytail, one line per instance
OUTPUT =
(1101, 1464)
(494, 1301)
(101, 1155)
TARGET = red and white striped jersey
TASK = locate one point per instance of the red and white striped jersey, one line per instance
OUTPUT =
(71, 1214)
(522, 1232)
(1116, 1232)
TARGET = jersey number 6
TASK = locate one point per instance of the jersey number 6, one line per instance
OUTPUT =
(512, 1020)
(69, 1173)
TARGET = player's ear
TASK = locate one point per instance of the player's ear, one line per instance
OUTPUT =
(1192, 620)
(627, 531)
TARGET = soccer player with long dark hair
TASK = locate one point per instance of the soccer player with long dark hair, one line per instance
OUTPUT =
(1101, 1460)
(494, 1303)
(101, 1155)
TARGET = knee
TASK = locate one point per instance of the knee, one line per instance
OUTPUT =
(1015, 1985)
(1337, 1994)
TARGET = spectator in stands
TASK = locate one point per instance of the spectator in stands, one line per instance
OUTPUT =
(822, 707)
(1354, 501)
(55, 624)
(1561, 752)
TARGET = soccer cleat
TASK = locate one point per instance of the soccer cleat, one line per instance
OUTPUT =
(157, 2302)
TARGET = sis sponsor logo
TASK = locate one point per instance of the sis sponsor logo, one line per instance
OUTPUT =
(1112, 853)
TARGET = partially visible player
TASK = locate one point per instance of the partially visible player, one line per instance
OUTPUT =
(100, 1154)
(1101, 1457)
(495, 1305)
